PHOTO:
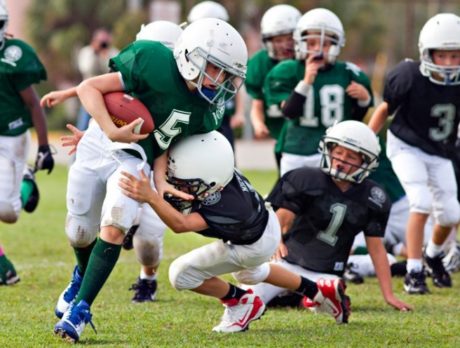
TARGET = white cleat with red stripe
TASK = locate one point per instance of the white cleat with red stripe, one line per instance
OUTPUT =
(239, 313)
(331, 299)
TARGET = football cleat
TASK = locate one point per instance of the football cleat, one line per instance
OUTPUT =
(8, 275)
(331, 299)
(144, 290)
(436, 269)
(398, 269)
(309, 304)
(351, 276)
(414, 283)
(128, 239)
(69, 294)
(72, 324)
(316, 308)
(451, 261)
(239, 313)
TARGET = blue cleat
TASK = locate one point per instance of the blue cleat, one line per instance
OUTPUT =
(69, 294)
(72, 324)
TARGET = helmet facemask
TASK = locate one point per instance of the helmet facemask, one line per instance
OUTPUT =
(195, 187)
(303, 51)
(226, 89)
(3, 22)
(273, 49)
(438, 74)
(356, 174)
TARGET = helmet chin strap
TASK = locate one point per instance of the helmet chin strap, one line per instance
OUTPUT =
(208, 92)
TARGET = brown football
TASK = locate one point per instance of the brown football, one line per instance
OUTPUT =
(124, 109)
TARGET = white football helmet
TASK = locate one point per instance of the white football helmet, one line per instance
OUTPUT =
(320, 23)
(207, 9)
(163, 31)
(3, 21)
(441, 32)
(213, 41)
(278, 20)
(201, 164)
(356, 136)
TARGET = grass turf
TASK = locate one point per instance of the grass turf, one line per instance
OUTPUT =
(39, 249)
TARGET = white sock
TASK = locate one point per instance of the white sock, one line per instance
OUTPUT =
(433, 250)
(414, 265)
(146, 276)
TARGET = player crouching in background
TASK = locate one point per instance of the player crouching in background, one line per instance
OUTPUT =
(322, 209)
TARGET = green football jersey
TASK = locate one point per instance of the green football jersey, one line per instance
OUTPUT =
(19, 68)
(258, 67)
(150, 73)
(326, 103)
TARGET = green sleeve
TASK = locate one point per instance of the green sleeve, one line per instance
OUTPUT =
(280, 82)
(258, 67)
(21, 64)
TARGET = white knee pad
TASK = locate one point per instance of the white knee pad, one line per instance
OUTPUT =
(10, 183)
(184, 276)
(79, 231)
(420, 197)
(148, 240)
(254, 275)
(447, 212)
(149, 252)
(8, 213)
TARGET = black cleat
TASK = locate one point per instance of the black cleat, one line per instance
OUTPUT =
(144, 290)
(414, 283)
(351, 276)
(438, 273)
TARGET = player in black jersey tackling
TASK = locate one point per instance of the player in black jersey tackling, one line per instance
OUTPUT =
(226, 207)
(425, 98)
(322, 209)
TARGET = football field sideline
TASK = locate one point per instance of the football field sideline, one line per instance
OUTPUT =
(250, 154)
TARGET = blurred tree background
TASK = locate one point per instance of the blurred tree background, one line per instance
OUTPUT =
(379, 33)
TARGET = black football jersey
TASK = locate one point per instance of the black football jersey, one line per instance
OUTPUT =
(236, 214)
(328, 219)
(427, 114)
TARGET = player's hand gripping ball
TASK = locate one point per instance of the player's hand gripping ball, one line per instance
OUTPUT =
(124, 109)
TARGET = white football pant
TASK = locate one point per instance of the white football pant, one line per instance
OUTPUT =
(13, 156)
(94, 198)
(428, 180)
(189, 271)
(148, 240)
(267, 292)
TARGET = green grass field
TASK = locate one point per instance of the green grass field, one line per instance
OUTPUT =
(38, 247)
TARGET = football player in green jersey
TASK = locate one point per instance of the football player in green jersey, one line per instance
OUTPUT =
(185, 92)
(315, 90)
(146, 236)
(20, 68)
(277, 25)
